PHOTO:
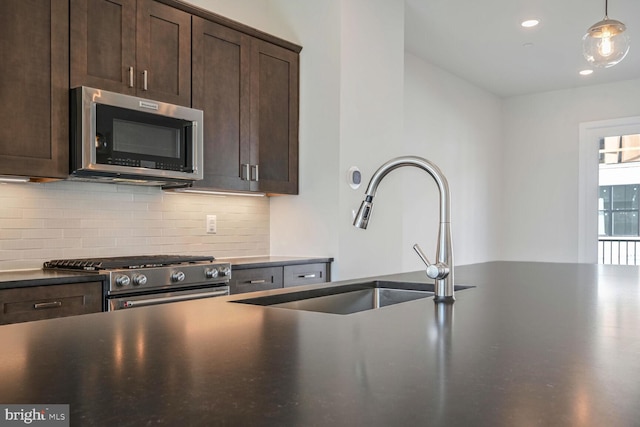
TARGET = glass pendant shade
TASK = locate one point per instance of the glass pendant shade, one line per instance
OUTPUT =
(606, 43)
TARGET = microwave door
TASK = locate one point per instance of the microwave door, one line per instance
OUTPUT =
(122, 140)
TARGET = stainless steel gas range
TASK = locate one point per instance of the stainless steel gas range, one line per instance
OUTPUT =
(153, 279)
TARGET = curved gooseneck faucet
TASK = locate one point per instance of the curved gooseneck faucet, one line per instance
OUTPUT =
(442, 270)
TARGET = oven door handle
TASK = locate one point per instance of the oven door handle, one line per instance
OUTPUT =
(161, 300)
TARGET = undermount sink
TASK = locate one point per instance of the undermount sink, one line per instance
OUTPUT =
(350, 298)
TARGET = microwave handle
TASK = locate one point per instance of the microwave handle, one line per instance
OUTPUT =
(194, 135)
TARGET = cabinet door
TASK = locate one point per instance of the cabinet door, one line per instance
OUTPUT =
(48, 302)
(34, 41)
(304, 274)
(103, 44)
(274, 117)
(163, 53)
(221, 59)
(255, 279)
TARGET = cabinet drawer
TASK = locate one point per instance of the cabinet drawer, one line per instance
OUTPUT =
(304, 274)
(255, 279)
(47, 302)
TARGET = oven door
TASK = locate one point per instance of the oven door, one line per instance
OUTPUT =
(122, 301)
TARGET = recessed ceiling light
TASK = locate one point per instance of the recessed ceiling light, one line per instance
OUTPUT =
(530, 23)
(586, 72)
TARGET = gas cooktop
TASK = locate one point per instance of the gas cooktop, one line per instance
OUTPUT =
(124, 262)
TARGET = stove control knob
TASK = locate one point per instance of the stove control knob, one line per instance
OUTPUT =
(139, 280)
(225, 271)
(122, 280)
(178, 276)
(211, 273)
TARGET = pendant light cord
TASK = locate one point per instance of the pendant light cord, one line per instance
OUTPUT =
(606, 9)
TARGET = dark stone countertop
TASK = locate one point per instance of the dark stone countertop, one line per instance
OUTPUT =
(38, 277)
(241, 263)
(533, 344)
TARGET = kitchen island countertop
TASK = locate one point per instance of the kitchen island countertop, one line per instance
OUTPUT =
(532, 344)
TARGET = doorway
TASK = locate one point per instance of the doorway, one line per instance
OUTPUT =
(619, 200)
(607, 214)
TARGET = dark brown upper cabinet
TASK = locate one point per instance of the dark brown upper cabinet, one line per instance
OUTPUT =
(248, 89)
(135, 47)
(274, 117)
(34, 136)
(221, 88)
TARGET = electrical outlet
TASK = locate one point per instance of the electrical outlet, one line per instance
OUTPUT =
(212, 226)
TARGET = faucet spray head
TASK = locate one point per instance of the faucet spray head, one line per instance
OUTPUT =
(364, 213)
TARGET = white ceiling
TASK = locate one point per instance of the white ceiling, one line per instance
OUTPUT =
(482, 41)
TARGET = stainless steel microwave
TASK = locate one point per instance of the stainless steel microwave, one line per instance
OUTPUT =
(126, 139)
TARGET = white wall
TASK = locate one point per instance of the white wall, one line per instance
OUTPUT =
(457, 126)
(541, 151)
(306, 224)
(371, 128)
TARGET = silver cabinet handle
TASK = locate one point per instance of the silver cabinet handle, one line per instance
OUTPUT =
(145, 75)
(257, 282)
(255, 176)
(245, 172)
(43, 305)
(130, 76)
(307, 276)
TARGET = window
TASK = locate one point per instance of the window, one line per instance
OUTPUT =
(619, 210)
(619, 149)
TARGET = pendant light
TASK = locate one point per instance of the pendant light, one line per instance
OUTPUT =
(606, 42)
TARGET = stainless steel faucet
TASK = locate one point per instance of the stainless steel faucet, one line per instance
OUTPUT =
(442, 270)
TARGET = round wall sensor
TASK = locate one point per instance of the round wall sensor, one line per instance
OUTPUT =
(354, 177)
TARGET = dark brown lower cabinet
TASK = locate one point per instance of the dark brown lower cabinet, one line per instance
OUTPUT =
(48, 302)
(255, 279)
(265, 278)
(305, 274)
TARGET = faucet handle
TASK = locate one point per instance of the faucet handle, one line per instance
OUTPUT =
(421, 254)
(434, 271)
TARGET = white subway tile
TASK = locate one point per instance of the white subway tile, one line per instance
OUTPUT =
(80, 220)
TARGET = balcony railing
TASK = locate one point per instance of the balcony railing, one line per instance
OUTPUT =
(625, 251)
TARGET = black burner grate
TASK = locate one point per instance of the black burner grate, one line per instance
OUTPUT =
(124, 262)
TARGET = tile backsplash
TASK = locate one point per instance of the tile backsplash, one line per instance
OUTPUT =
(65, 219)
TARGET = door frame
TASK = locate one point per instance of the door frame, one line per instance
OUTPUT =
(590, 135)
